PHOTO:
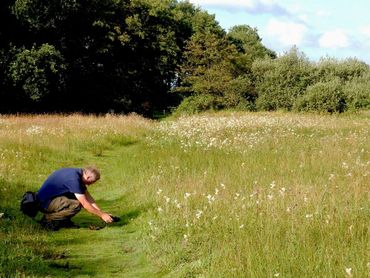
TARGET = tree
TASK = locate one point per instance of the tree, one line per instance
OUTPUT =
(249, 45)
(39, 72)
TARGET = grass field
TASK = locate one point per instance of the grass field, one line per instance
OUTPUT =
(213, 195)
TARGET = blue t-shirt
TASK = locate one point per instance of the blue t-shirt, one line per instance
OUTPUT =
(63, 182)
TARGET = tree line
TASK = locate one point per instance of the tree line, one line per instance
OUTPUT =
(149, 55)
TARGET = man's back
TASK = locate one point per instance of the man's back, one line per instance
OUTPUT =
(63, 182)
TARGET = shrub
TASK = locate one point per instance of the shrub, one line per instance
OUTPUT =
(197, 103)
(357, 92)
(237, 94)
(323, 97)
(329, 68)
(281, 81)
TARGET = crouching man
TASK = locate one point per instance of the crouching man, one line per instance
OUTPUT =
(64, 193)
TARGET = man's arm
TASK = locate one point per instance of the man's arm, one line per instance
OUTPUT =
(91, 200)
(91, 207)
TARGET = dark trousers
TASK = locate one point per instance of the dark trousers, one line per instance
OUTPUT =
(62, 208)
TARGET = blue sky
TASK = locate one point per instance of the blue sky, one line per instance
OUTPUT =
(334, 28)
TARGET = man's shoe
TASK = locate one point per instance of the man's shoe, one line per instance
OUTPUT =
(50, 225)
(67, 223)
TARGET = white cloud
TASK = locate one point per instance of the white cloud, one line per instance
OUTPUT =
(323, 13)
(286, 33)
(334, 39)
(365, 30)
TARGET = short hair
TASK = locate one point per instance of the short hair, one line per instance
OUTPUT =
(94, 171)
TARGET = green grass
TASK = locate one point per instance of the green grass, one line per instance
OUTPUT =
(214, 195)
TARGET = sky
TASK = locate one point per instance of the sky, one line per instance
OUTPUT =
(319, 28)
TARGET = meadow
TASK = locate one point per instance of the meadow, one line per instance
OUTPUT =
(211, 195)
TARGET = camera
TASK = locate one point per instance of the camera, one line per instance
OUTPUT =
(115, 218)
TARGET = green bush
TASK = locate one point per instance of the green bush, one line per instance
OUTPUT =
(197, 103)
(323, 97)
(237, 94)
(357, 92)
(346, 70)
(281, 81)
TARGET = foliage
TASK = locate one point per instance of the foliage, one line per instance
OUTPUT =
(280, 81)
(329, 68)
(146, 56)
(249, 45)
(215, 70)
(323, 97)
(357, 92)
(39, 71)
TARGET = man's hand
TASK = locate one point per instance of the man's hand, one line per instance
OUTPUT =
(106, 218)
(86, 201)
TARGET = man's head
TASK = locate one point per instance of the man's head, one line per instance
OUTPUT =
(90, 175)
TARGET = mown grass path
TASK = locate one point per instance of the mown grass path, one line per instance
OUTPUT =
(115, 250)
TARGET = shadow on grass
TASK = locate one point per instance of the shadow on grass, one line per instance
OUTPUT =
(87, 251)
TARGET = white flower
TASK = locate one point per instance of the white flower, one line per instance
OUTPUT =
(167, 199)
(309, 215)
(288, 209)
(241, 226)
(187, 195)
(273, 184)
(349, 271)
(160, 209)
(270, 197)
(159, 191)
(222, 185)
(186, 237)
(199, 214)
(276, 274)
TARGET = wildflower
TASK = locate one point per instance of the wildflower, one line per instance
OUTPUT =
(222, 185)
(159, 191)
(270, 196)
(309, 215)
(167, 199)
(160, 209)
(214, 217)
(288, 209)
(273, 184)
(241, 226)
(331, 177)
(187, 195)
(186, 237)
(349, 271)
(216, 191)
(199, 214)
(276, 274)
